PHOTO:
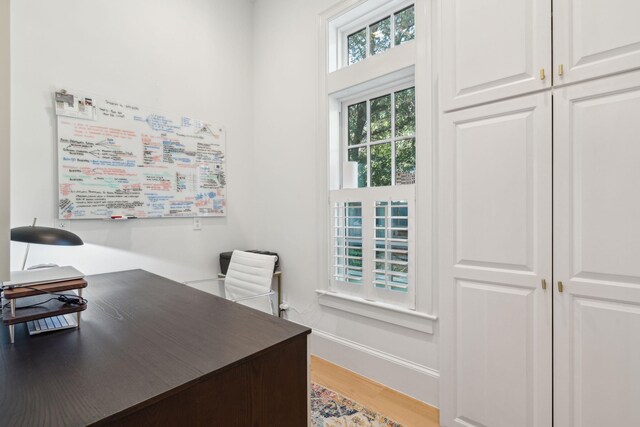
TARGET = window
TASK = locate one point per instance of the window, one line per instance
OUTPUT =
(379, 36)
(378, 152)
(380, 135)
(373, 211)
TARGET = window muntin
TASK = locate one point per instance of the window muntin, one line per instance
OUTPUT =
(380, 149)
(391, 30)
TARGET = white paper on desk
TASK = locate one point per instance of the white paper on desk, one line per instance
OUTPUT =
(43, 275)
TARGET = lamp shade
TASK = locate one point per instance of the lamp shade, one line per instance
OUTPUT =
(45, 236)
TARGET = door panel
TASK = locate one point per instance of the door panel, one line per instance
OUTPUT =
(597, 253)
(595, 38)
(494, 366)
(495, 210)
(493, 49)
(495, 192)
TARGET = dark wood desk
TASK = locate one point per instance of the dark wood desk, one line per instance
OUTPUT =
(155, 352)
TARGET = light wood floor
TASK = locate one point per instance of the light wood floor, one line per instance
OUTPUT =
(396, 406)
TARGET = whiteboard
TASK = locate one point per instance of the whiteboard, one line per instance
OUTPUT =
(122, 160)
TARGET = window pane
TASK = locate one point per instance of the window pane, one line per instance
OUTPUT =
(398, 256)
(401, 211)
(399, 268)
(399, 223)
(380, 36)
(381, 165)
(406, 161)
(353, 243)
(354, 222)
(357, 46)
(405, 25)
(357, 118)
(398, 234)
(354, 262)
(399, 246)
(359, 158)
(381, 118)
(354, 210)
(355, 275)
(399, 280)
(405, 112)
(355, 252)
(354, 232)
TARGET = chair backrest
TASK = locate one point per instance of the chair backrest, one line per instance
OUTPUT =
(250, 274)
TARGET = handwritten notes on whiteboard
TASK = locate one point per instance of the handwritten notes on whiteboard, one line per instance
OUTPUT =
(133, 162)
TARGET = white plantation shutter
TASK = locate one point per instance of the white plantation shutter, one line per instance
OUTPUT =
(347, 242)
(391, 245)
(373, 249)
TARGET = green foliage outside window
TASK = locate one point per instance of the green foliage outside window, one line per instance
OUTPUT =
(405, 25)
(379, 127)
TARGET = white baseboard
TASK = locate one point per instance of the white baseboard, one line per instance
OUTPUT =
(412, 379)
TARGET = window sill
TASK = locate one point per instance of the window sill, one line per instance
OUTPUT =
(417, 321)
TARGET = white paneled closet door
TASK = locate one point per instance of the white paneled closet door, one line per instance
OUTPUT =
(594, 38)
(597, 253)
(494, 49)
(495, 214)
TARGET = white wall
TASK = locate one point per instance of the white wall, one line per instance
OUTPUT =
(286, 126)
(4, 138)
(192, 57)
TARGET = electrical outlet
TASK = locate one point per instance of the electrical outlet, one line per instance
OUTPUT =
(63, 223)
(197, 223)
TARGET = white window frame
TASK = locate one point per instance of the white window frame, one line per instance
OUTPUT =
(365, 22)
(335, 83)
(356, 14)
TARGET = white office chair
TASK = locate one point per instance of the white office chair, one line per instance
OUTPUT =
(248, 280)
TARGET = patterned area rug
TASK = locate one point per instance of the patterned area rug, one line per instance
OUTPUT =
(330, 409)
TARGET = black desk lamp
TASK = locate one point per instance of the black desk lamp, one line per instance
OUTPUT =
(43, 236)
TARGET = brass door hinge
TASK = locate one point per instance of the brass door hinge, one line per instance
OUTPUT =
(542, 75)
(561, 70)
(560, 287)
(544, 284)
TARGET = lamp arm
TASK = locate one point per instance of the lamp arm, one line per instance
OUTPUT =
(26, 252)
(26, 255)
